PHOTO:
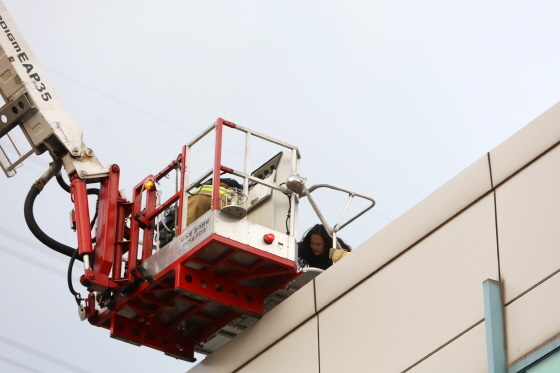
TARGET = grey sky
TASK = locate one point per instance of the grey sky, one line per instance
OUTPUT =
(390, 99)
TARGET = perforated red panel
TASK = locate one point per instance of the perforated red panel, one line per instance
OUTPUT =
(197, 295)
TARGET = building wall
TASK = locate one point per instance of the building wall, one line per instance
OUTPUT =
(410, 299)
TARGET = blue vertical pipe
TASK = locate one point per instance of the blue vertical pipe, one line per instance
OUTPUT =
(494, 322)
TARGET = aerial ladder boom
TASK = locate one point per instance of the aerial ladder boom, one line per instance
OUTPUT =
(151, 279)
(32, 104)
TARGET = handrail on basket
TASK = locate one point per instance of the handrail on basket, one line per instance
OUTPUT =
(332, 231)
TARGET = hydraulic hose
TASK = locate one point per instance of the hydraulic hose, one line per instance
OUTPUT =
(76, 295)
(36, 188)
(66, 187)
(37, 232)
(62, 183)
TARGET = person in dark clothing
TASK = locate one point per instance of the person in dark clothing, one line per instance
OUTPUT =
(313, 250)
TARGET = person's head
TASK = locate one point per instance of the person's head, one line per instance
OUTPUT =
(226, 182)
(232, 183)
(316, 242)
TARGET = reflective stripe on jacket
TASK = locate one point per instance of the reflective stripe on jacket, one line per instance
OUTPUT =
(208, 190)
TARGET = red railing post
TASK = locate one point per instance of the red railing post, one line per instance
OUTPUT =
(182, 199)
(217, 165)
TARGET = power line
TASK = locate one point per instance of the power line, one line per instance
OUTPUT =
(120, 101)
(27, 242)
(35, 262)
(128, 105)
(19, 365)
(17, 237)
(51, 359)
(61, 272)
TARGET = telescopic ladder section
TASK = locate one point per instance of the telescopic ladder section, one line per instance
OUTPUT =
(212, 272)
(32, 104)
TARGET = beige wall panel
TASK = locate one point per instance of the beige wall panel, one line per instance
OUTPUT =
(533, 319)
(427, 215)
(466, 354)
(423, 299)
(273, 326)
(528, 207)
(297, 353)
(526, 144)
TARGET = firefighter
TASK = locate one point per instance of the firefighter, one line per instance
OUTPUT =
(200, 200)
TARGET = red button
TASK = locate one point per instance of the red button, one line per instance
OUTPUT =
(268, 238)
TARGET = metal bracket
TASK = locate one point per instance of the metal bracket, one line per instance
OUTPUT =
(12, 114)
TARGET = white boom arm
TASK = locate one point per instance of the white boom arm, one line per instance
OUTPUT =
(32, 103)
